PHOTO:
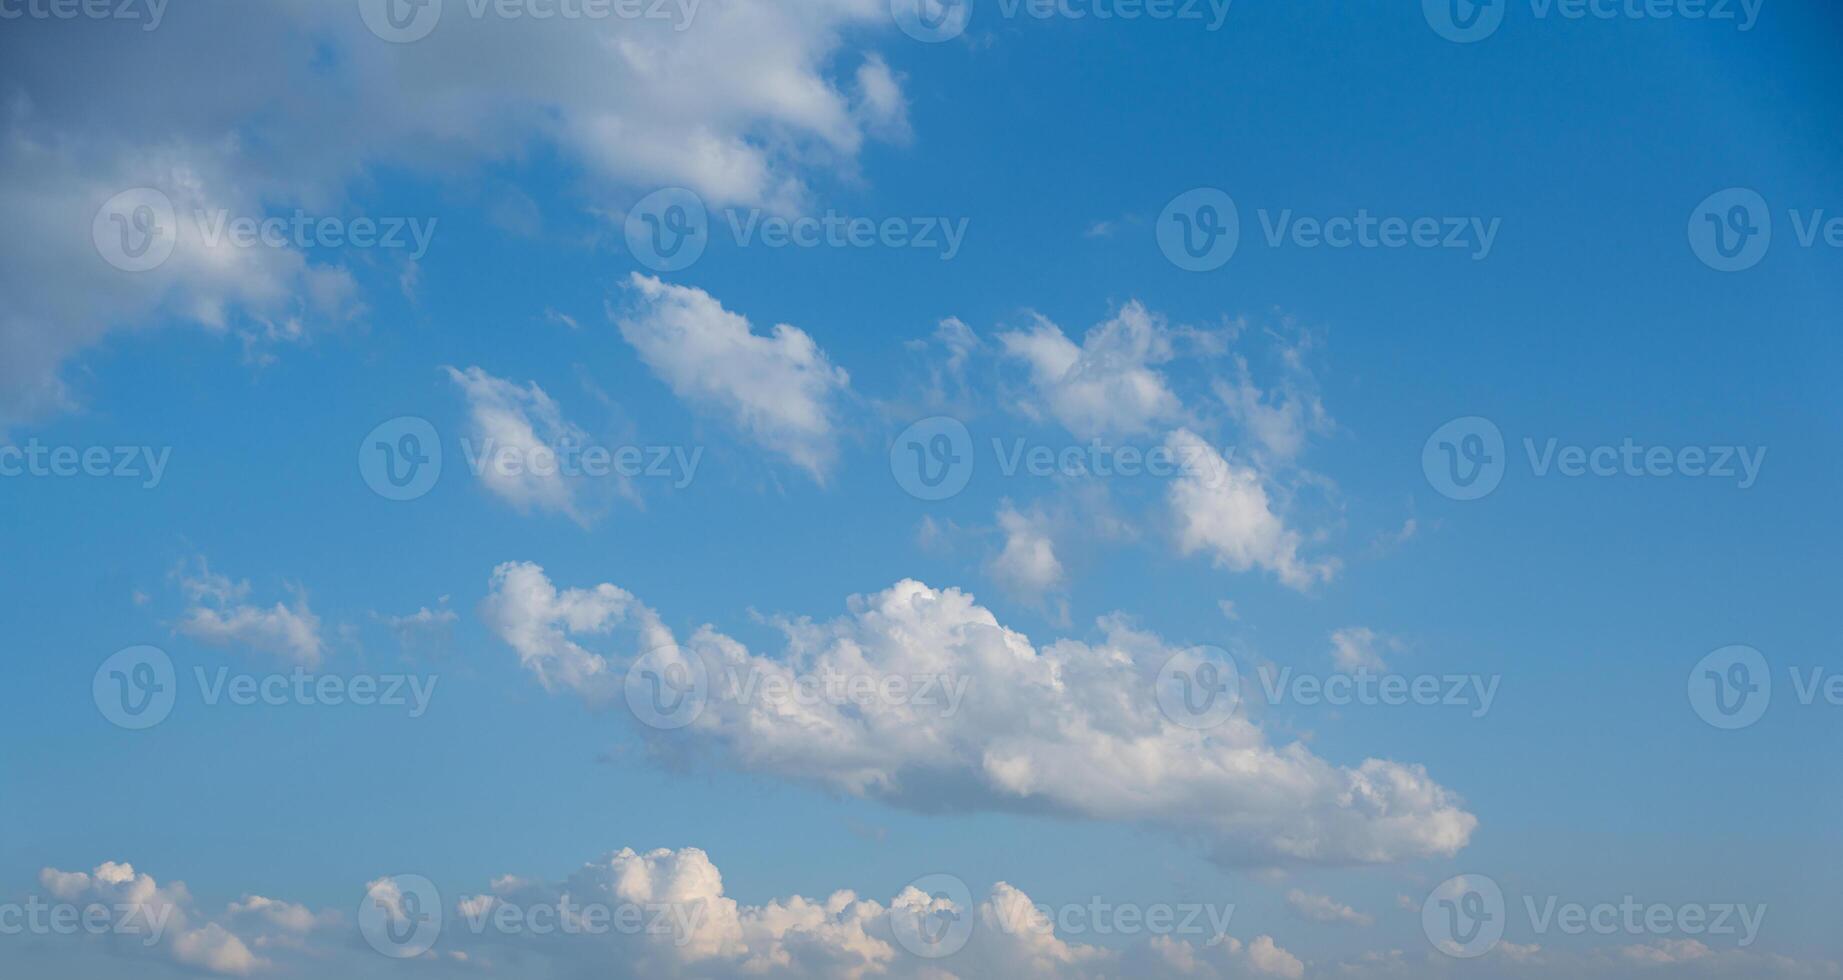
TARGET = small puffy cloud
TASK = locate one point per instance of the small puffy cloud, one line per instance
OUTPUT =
(1109, 386)
(1222, 508)
(514, 441)
(1028, 564)
(538, 621)
(780, 390)
(1355, 648)
(1321, 908)
(221, 616)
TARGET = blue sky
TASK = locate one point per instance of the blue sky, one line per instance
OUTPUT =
(1301, 389)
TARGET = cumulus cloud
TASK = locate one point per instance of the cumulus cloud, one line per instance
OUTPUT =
(780, 390)
(163, 921)
(1222, 508)
(1321, 908)
(221, 616)
(1109, 385)
(517, 434)
(1070, 727)
(745, 104)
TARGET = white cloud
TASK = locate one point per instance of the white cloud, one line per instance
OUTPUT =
(1321, 908)
(745, 104)
(780, 389)
(1355, 648)
(1222, 508)
(515, 437)
(1107, 387)
(1028, 563)
(156, 920)
(537, 621)
(219, 615)
(1070, 727)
